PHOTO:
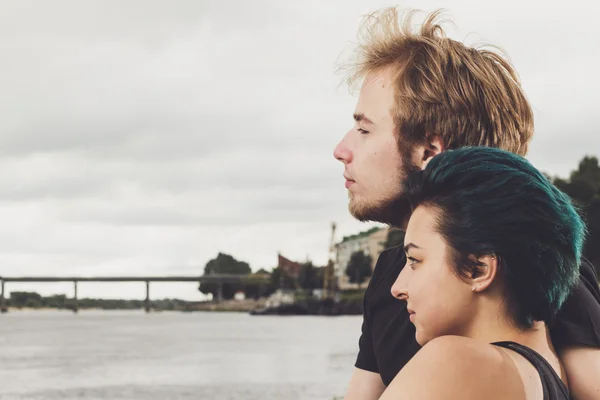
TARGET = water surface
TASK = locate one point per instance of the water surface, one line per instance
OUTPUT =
(132, 355)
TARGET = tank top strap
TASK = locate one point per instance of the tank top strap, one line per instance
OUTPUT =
(554, 388)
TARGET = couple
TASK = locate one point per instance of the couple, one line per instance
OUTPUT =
(488, 297)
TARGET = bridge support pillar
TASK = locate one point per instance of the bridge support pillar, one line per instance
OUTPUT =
(3, 308)
(220, 293)
(75, 300)
(261, 290)
(147, 302)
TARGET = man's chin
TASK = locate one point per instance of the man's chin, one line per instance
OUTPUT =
(361, 214)
(393, 212)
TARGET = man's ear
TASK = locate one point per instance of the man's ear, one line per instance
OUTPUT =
(424, 153)
(486, 272)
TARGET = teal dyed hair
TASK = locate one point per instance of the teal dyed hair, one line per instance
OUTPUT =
(492, 201)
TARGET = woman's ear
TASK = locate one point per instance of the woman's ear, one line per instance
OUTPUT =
(486, 272)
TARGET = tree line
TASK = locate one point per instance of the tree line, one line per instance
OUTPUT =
(310, 277)
(62, 302)
(583, 186)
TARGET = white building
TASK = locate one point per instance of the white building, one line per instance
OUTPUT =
(371, 242)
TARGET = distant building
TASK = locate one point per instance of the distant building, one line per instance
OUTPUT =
(371, 242)
(292, 268)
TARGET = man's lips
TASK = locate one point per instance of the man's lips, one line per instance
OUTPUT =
(349, 181)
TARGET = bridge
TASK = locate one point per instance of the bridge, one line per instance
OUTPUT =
(219, 279)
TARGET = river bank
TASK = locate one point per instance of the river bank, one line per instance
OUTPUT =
(224, 306)
(258, 306)
(227, 306)
(349, 303)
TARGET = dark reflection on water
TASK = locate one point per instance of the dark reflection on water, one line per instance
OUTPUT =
(131, 355)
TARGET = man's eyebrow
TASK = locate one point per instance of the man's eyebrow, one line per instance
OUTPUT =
(362, 117)
(410, 246)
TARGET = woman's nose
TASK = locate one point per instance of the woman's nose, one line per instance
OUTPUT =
(399, 289)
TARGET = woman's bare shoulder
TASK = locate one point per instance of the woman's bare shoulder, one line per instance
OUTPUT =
(457, 367)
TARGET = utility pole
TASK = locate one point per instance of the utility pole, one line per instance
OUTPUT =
(329, 283)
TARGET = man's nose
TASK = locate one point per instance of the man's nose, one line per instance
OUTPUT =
(342, 151)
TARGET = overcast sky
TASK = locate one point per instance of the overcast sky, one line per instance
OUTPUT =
(143, 137)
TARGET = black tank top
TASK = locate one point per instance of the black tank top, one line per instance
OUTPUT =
(554, 388)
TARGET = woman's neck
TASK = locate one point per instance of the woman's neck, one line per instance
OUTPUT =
(492, 323)
(498, 328)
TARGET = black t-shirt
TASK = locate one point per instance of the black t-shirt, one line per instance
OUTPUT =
(388, 342)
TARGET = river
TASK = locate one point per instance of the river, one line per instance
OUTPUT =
(122, 355)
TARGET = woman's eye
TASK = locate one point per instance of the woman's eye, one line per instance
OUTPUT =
(412, 262)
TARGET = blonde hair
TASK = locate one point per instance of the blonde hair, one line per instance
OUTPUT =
(467, 96)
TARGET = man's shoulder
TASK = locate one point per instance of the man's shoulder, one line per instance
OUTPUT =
(388, 265)
(589, 278)
(589, 271)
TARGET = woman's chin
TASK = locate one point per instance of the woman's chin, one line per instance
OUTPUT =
(420, 338)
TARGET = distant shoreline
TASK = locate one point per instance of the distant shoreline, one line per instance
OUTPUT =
(224, 306)
(42, 310)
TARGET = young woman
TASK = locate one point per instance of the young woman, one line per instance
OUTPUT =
(493, 250)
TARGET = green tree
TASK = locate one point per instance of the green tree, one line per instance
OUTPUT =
(589, 172)
(56, 301)
(310, 277)
(224, 264)
(320, 272)
(359, 267)
(262, 271)
(583, 186)
(25, 299)
(281, 280)
(255, 286)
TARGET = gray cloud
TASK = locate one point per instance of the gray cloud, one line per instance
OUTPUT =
(146, 136)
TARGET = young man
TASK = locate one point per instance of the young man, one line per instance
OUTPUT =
(422, 94)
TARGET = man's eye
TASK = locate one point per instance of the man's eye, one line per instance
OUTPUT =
(362, 131)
